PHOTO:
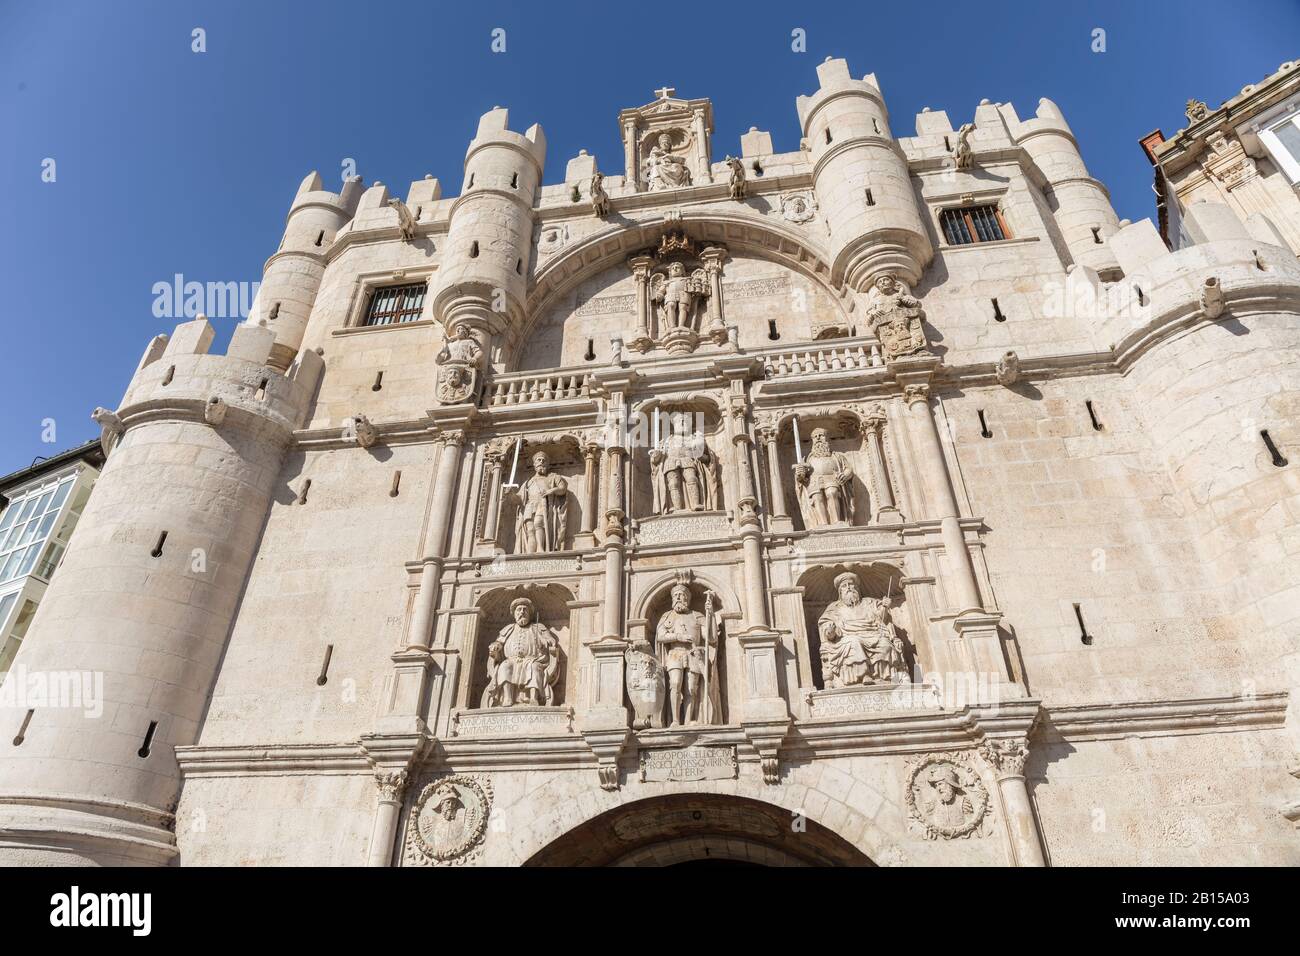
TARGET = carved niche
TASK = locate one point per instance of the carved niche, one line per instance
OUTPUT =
(519, 658)
(680, 287)
(666, 142)
(855, 621)
(674, 677)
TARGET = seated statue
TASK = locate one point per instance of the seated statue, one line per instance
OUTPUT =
(859, 644)
(523, 662)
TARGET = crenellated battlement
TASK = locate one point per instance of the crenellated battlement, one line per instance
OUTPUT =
(178, 377)
(1230, 262)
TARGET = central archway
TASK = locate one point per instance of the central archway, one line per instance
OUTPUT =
(699, 828)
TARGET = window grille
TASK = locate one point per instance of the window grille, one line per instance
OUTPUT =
(970, 224)
(395, 303)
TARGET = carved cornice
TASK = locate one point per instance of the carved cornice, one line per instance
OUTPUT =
(1162, 717)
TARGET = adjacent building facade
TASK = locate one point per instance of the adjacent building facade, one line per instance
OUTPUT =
(887, 502)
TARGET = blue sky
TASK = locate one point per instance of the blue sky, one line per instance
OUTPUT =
(170, 161)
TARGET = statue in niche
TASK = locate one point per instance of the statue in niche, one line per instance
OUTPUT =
(895, 317)
(543, 510)
(825, 483)
(687, 642)
(684, 473)
(676, 295)
(458, 363)
(663, 169)
(523, 662)
(859, 644)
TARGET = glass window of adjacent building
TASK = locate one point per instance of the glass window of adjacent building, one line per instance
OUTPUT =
(25, 527)
(1280, 135)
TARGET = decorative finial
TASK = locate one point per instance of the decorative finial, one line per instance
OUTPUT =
(664, 92)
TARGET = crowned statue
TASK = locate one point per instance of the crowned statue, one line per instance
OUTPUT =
(523, 662)
(663, 168)
(542, 518)
(859, 644)
(825, 483)
(687, 642)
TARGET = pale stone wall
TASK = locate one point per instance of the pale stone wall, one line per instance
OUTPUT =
(1160, 515)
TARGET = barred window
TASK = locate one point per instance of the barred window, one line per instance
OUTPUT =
(972, 224)
(395, 303)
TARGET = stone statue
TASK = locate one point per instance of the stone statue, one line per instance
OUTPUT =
(458, 363)
(684, 474)
(663, 169)
(110, 427)
(362, 430)
(946, 798)
(737, 181)
(646, 686)
(825, 483)
(405, 221)
(963, 155)
(542, 518)
(895, 317)
(599, 198)
(1008, 369)
(859, 644)
(523, 662)
(687, 642)
(1197, 110)
(676, 295)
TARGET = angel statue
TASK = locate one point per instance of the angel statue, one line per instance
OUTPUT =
(676, 295)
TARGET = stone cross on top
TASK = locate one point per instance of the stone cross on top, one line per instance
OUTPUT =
(664, 92)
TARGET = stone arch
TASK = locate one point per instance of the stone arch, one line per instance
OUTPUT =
(663, 830)
(551, 603)
(662, 585)
(741, 233)
(877, 578)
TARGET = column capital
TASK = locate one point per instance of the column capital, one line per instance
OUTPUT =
(392, 784)
(916, 393)
(1006, 756)
(640, 265)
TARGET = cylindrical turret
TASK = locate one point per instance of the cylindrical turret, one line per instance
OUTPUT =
(862, 181)
(481, 278)
(1082, 204)
(292, 276)
(134, 624)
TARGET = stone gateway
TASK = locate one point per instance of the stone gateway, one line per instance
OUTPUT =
(890, 484)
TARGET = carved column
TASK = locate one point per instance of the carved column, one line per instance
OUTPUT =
(712, 257)
(604, 722)
(768, 434)
(630, 161)
(886, 508)
(383, 833)
(701, 148)
(591, 497)
(493, 465)
(405, 691)
(640, 266)
(1007, 758)
(751, 529)
(965, 590)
